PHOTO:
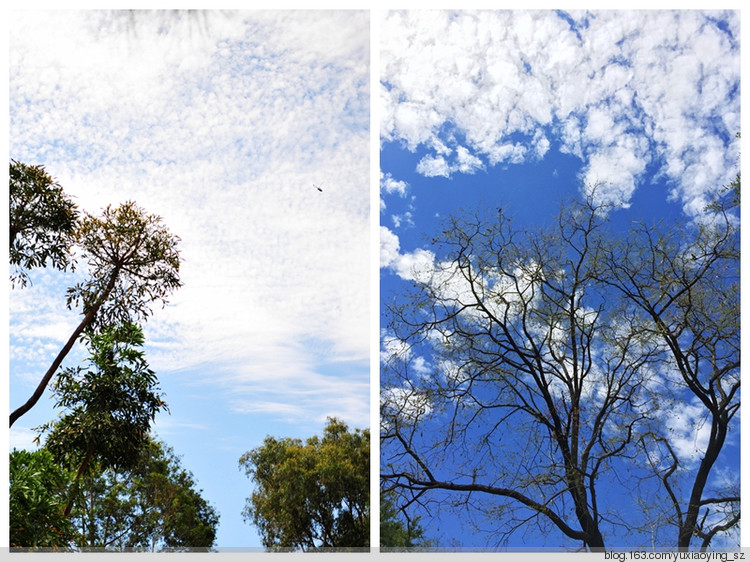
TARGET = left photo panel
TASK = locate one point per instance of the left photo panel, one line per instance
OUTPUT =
(189, 292)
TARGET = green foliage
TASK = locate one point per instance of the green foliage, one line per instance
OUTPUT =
(111, 402)
(311, 495)
(42, 219)
(37, 500)
(153, 506)
(133, 262)
(396, 534)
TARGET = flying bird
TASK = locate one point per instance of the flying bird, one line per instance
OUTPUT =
(318, 187)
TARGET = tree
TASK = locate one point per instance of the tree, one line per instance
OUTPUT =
(111, 404)
(38, 495)
(513, 325)
(313, 495)
(521, 383)
(684, 283)
(153, 506)
(396, 534)
(133, 262)
(42, 220)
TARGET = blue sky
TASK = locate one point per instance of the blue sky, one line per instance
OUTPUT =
(524, 110)
(219, 122)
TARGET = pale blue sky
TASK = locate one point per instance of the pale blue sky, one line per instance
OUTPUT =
(219, 122)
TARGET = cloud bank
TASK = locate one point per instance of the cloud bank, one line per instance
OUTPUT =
(621, 90)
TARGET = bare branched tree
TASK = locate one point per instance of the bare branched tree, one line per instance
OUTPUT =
(527, 377)
(532, 374)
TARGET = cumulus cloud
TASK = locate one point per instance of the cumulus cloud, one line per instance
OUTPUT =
(463, 162)
(391, 185)
(418, 265)
(620, 90)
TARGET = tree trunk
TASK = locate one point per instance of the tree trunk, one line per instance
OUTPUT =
(21, 410)
(715, 444)
(81, 471)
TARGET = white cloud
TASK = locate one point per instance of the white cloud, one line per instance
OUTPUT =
(623, 90)
(220, 125)
(391, 185)
(688, 430)
(22, 439)
(432, 166)
(417, 265)
(464, 162)
(406, 403)
(389, 247)
(393, 348)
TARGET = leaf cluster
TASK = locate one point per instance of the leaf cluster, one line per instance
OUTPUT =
(133, 262)
(110, 402)
(37, 498)
(311, 495)
(41, 224)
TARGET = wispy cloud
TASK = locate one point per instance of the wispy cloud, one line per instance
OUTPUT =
(220, 123)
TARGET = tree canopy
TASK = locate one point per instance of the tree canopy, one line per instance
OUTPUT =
(108, 405)
(42, 221)
(151, 506)
(527, 378)
(133, 262)
(313, 495)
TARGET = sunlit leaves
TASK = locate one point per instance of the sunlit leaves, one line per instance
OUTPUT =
(133, 262)
(312, 495)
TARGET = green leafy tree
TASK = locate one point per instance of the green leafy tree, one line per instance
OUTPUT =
(133, 262)
(38, 494)
(42, 221)
(396, 534)
(311, 495)
(153, 506)
(110, 404)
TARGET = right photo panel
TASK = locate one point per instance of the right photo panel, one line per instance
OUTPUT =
(559, 280)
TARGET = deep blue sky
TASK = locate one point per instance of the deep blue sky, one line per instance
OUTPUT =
(526, 110)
